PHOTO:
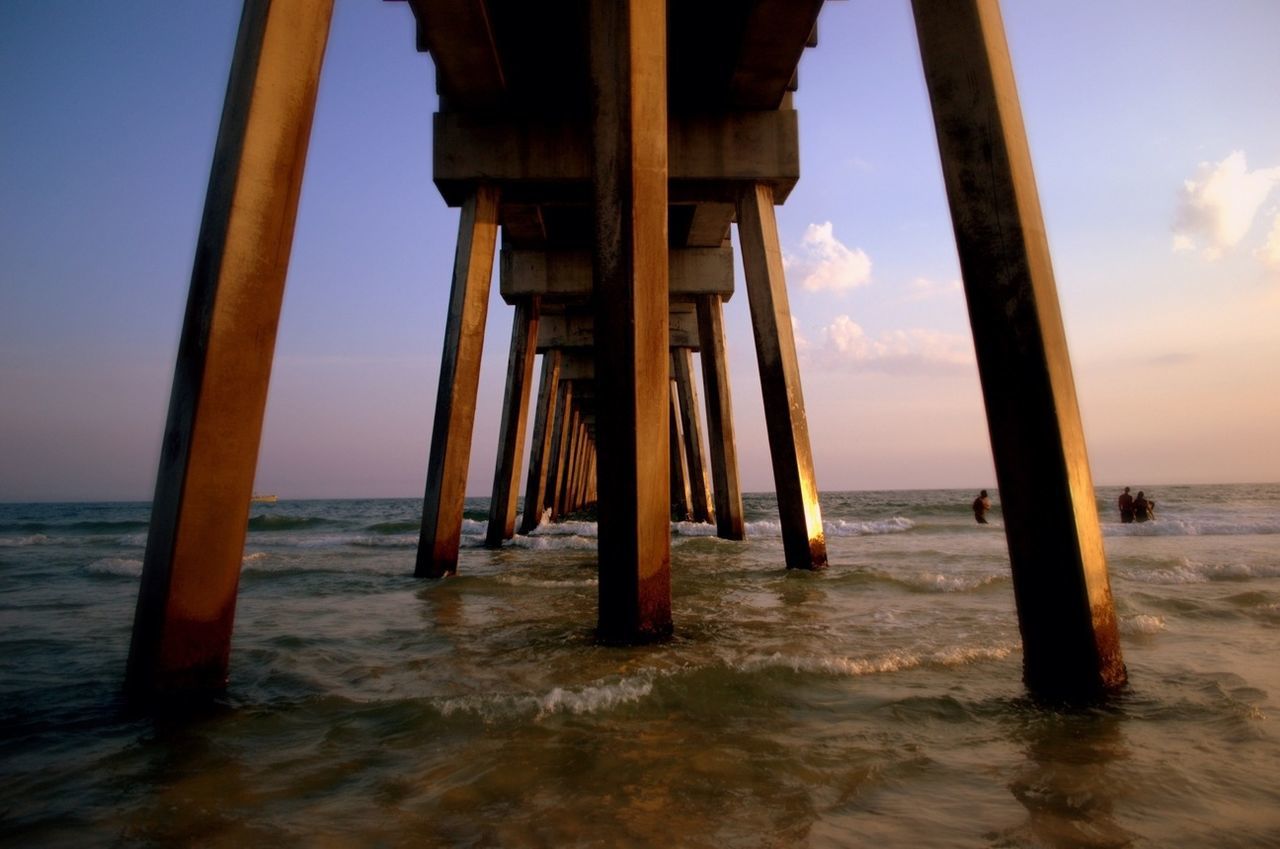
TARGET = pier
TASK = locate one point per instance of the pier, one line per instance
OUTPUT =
(600, 155)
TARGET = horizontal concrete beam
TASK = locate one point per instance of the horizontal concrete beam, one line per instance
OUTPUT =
(709, 156)
(577, 330)
(566, 275)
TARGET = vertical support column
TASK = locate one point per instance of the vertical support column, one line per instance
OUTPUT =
(559, 447)
(459, 379)
(680, 497)
(699, 490)
(724, 449)
(186, 600)
(515, 414)
(628, 53)
(1071, 647)
(564, 494)
(801, 516)
(540, 452)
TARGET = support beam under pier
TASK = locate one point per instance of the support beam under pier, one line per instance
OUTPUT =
(459, 380)
(535, 498)
(1071, 647)
(801, 516)
(515, 414)
(191, 570)
(628, 64)
(724, 448)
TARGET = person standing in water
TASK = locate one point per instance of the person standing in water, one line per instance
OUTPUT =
(981, 505)
(1142, 508)
(1126, 506)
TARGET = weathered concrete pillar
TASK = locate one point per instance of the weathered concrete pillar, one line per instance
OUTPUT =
(564, 494)
(540, 452)
(1071, 647)
(691, 425)
(459, 379)
(724, 449)
(191, 569)
(801, 516)
(559, 446)
(681, 510)
(628, 61)
(515, 414)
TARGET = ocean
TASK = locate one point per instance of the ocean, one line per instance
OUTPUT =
(877, 703)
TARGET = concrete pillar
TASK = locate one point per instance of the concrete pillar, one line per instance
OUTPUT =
(801, 516)
(191, 569)
(540, 452)
(1071, 647)
(691, 424)
(724, 449)
(459, 379)
(515, 413)
(681, 509)
(559, 446)
(564, 495)
(628, 65)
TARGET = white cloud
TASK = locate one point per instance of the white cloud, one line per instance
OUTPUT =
(845, 343)
(1218, 206)
(1269, 253)
(825, 263)
(922, 289)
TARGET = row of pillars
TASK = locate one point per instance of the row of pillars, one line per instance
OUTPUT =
(186, 603)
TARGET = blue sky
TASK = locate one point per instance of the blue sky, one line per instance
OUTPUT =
(1154, 128)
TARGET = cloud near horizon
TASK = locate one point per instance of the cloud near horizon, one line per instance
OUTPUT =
(1217, 208)
(844, 343)
(824, 263)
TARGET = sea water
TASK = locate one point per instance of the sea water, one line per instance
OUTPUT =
(876, 703)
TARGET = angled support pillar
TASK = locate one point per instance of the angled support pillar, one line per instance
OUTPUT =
(681, 509)
(803, 539)
(186, 601)
(559, 447)
(724, 449)
(628, 64)
(699, 488)
(515, 414)
(535, 501)
(1071, 648)
(564, 489)
(459, 379)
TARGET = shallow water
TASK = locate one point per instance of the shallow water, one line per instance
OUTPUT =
(877, 702)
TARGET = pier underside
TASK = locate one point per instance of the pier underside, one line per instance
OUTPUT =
(599, 154)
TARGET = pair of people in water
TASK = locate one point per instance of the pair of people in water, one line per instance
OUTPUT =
(1138, 509)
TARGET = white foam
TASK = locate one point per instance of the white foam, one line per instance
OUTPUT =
(1190, 527)
(842, 528)
(592, 698)
(939, 583)
(1192, 572)
(897, 661)
(517, 580)
(34, 539)
(577, 529)
(1142, 623)
(123, 567)
(545, 542)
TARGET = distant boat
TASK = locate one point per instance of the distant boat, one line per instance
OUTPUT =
(262, 499)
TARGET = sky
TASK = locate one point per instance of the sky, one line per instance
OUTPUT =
(1154, 128)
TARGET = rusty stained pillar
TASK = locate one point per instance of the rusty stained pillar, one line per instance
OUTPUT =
(186, 601)
(724, 450)
(681, 511)
(1071, 647)
(535, 501)
(691, 425)
(628, 64)
(803, 539)
(515, 414)
(459, 380)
